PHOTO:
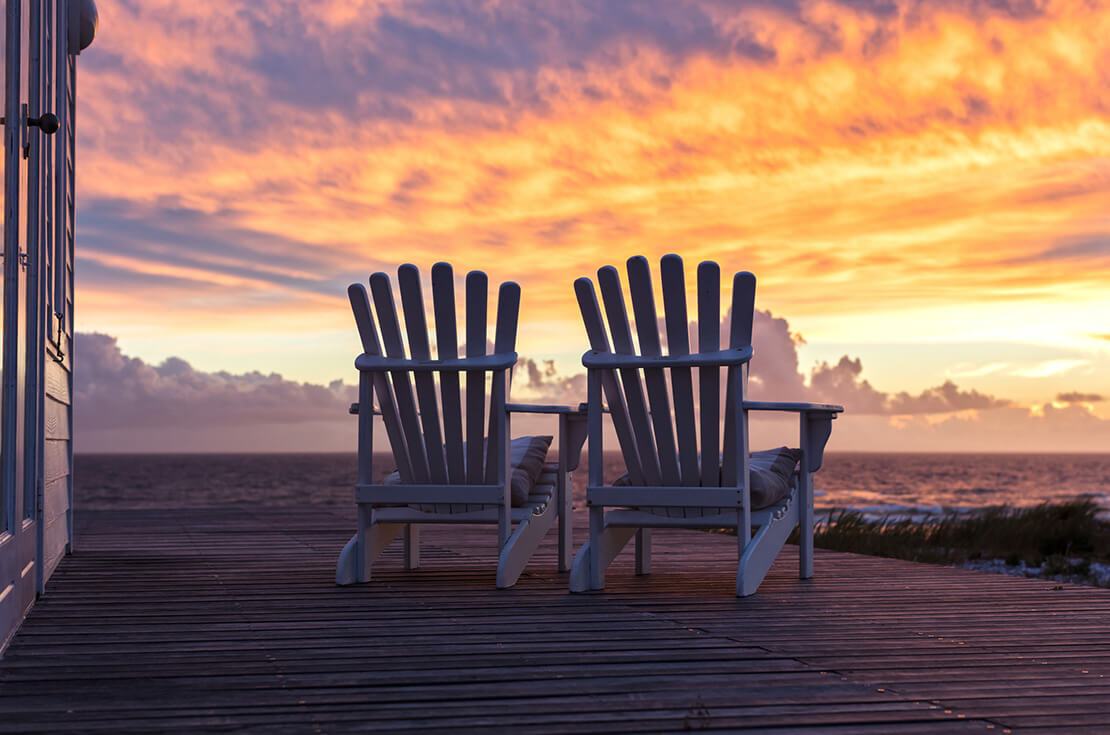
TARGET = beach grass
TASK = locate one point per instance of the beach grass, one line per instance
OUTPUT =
(1066, 540)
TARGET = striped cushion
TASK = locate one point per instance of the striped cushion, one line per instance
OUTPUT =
(527, 455)
(771, 472)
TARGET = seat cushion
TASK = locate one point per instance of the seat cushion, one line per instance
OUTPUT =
(526, 459)
(771, 472)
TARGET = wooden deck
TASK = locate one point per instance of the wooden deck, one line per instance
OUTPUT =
(229, 620)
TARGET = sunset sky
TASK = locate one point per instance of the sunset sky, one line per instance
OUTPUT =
(921, 188)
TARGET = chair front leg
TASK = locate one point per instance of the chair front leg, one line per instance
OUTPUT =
(805, 525)
(412, 546)
(643, 551)
(563, 497)
(814, 431)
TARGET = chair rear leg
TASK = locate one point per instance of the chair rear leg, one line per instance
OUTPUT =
(805, 526)
(566, 521)
(643, 551)
(412, 546)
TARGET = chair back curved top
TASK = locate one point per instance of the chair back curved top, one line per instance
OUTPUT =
(458, 454)
(686, 447)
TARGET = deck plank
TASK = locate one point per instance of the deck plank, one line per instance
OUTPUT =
(228, 619)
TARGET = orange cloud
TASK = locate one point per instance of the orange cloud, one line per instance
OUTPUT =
(928, 171)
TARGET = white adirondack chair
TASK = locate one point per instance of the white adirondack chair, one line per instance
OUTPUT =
(671, 483)
(439, 477)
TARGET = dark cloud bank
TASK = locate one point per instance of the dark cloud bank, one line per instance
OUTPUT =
(127, 405)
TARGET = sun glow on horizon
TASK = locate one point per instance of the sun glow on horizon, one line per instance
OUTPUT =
(931, 175)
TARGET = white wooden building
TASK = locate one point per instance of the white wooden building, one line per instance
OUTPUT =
(42, 39)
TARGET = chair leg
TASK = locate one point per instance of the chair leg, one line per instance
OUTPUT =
(805, 526)
(412, 546)
(520, 547)
(364, 547)
(566, 522)
(588, 570)
(643, 551)
(597, 567)
(760, 552)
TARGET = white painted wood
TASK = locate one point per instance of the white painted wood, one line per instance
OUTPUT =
(57, 381)
(352, 569)
(508, 308)
(643, 551)
(670, 475)
(445, 483)
(412, 546)
(364, 320)
(678, 344)
(412, 494)
(55, 419)
(613, 298)
(629, 517)
(382, 292)
(599, 344)
(674, 496)
(447, 347)
(477, 289)
(520, 546)
(588, 571)
(55, 499)
(761, 551)
(643, 305)
(740, 334)
(416, 327)
(55, 459)
(709, 378)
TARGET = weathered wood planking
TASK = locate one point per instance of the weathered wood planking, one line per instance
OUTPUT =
(229, 619)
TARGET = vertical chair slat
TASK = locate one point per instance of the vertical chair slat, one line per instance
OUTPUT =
(599, 342)
(647, 329)
(740, 335)
(477, 289)
(447, 343)
(508, 310)
(416, 325)
(678, 343)
(612, 297)
(382, 292)
(709, 378)
(360, 305)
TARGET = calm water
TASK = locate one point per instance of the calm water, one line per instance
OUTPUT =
(877, 483)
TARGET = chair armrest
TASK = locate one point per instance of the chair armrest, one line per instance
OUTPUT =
(793, 407)
(815, 426)
(503, 361)
(572, 427)
(723, 358)
(543, 408)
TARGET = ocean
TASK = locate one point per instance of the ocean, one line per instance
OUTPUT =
(877, 484)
